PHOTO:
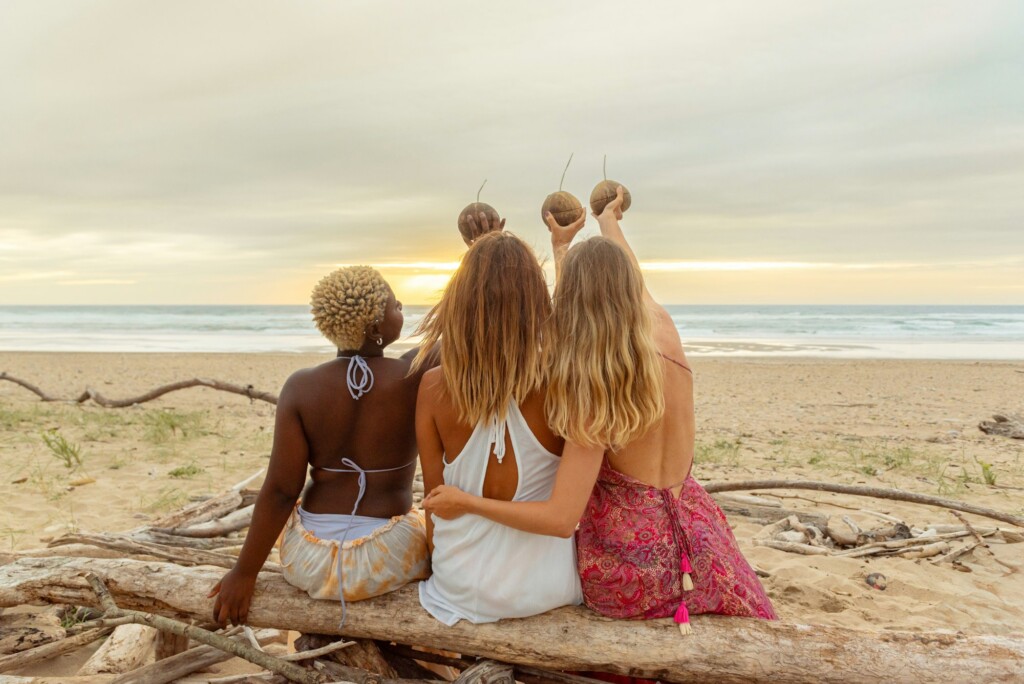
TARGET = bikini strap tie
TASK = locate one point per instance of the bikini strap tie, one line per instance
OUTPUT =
(359, 377)
(353, 467)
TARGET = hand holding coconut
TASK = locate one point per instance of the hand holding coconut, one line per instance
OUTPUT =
(563, 235)
(605, 191)
(613, 208)
(478, 218)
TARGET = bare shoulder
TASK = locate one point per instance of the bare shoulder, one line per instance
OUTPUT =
(430, 385)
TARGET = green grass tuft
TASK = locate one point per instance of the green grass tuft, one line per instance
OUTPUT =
(187, 472)
(68, 453)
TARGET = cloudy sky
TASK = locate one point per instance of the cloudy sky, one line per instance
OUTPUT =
(212, 152)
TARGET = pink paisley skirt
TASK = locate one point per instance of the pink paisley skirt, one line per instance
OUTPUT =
(635, 541)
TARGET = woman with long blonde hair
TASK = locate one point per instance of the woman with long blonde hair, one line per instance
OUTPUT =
(651, 543)
(481, 427)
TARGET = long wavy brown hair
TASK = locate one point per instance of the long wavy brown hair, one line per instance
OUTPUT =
(489, 324)
(605, 381)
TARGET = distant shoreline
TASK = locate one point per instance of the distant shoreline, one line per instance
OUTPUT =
(813, 331)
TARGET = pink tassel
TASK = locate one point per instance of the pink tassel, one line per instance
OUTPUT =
(685, 564)
(687, 580)
(682, 619)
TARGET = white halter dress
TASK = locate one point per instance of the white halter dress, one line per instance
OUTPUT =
(484, 571)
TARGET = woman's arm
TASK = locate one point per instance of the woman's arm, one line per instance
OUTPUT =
(562, 237)
(556, 517)
(608, 221)
(428, 441)
(286, 475)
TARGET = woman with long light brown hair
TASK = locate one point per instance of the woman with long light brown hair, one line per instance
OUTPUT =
(480, 426)
(651, 542)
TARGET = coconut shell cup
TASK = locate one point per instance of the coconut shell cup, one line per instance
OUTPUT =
(563, 206)
(474, 210)
(604, 192)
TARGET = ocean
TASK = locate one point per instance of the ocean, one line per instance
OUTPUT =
(896, 332)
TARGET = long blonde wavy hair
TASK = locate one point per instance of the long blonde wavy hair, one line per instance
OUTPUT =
(488, 325)
(605, 381)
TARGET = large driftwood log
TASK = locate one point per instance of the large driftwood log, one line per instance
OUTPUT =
(858, 490)
(721, 649)
(20, 632)
(179, 555)
(53, 649)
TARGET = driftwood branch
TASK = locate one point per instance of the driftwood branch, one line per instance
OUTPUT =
(233, 522)
(291, 671)
(573, 638)
(245, 390)
(875, 492)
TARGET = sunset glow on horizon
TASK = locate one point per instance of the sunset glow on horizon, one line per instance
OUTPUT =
(832, 152)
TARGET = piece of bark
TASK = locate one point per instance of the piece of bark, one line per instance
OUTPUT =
(53, 649)
(839, 534)
(346, 674)
(365, 655)
(22, 631)
(926, 551)
(792, 547)
(168, 644)
(126, 649)
(722, 649)
(487, 672)
(876, 492)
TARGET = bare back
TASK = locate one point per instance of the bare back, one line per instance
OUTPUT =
(502, 478)
(664, 456)
(377, 431)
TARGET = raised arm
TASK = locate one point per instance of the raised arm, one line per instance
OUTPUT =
(556, 517)
(608, 221)
(286, 475)
(562, 237)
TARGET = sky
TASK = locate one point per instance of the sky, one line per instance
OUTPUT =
(213, 152)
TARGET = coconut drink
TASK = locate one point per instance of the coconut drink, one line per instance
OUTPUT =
(563, 205)
(604, 192)
(474, 210)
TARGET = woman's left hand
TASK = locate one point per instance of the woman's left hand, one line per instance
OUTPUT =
(447, 502)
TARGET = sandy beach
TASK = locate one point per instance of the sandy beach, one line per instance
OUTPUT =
(905, 424)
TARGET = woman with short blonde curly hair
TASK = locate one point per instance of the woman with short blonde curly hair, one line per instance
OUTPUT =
(351, 423)
(650, 541)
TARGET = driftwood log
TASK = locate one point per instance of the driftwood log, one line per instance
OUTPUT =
(1004, 426)
(858, 490)
(721, 649)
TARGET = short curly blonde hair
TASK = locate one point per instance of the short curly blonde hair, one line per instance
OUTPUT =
(346, 301)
